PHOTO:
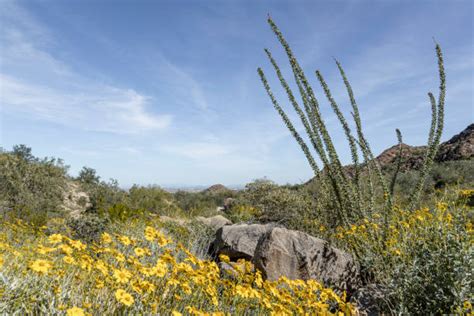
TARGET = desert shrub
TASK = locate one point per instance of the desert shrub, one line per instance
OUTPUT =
(442, 176)
(121, 212)
(265, 201)
(243, 213)
(425, 262)
(87, 227)
(337, 188)
(103, 195)
(152, 199)
(200, 203)
(31, 188)
(88, 176)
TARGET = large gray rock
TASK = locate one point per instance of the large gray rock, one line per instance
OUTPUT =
(296, 255)
(238, 241)
(214, 222)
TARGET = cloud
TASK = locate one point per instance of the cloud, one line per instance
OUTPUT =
(97, 108)
(37, 85)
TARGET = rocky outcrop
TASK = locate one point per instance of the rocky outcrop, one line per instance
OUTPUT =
(459, 147)
(277, 252)
(75, 200)
(296, 255)
(214, 222)
(238, 241)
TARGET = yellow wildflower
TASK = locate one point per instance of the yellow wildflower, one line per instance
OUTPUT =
(101, 266)
(150, 233)
(140, 252)
(224, 258)
(41, 266)
(44, 250)
(122, 275)
(120, 257)
(125, 240)
(106, 238)
(55, 238)
(75, 311)
(69, 260)
(66, 249)
(77, 244)
(123, 297)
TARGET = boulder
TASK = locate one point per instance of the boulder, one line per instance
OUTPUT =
(238, 241)
(214, 222)
(296, 255)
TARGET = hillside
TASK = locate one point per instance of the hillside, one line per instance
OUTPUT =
(459, 147)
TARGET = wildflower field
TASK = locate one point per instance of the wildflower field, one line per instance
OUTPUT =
(141, 271)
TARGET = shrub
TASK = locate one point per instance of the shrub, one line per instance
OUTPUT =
(265, 201)
(152, 199)
(87, 227)
(425, 263)
(200, 203)
(31, 188)
(337, 187)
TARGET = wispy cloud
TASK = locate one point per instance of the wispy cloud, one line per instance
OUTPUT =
(97, 108)
(37, 85)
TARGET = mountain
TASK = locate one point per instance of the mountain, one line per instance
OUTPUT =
(216, 189)
(459, 147)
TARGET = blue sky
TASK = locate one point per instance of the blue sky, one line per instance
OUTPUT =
(166, 92)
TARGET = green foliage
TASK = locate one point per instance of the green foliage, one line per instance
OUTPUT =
(121, 212)
(88, 227)
(200, 203)
(31, 188)
(88, 176)
(152, 199)
(103, 195)
(337, 189)
(438, 277)
(265, 201)
(443, 175)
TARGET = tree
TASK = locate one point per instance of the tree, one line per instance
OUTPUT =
(88, 176)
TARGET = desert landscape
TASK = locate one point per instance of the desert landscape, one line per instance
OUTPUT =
(371, 229)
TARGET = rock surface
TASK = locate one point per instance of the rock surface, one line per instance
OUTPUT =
(238, 241)
(277, 252)
(75, 200)
(296, 255)
(214, 222)
(459, 147)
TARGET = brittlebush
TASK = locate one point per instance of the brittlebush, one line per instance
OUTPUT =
(141, 271)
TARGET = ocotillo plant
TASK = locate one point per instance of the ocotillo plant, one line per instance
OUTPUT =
(342, 190)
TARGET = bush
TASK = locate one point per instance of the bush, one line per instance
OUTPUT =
(265, 201)
(425, 263)
(152, 199)
(88, 227)
(201, 203)
(31, 188)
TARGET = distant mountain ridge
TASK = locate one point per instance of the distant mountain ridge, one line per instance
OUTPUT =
(459, 147)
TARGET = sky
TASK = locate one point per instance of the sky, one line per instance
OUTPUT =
(167, 92)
